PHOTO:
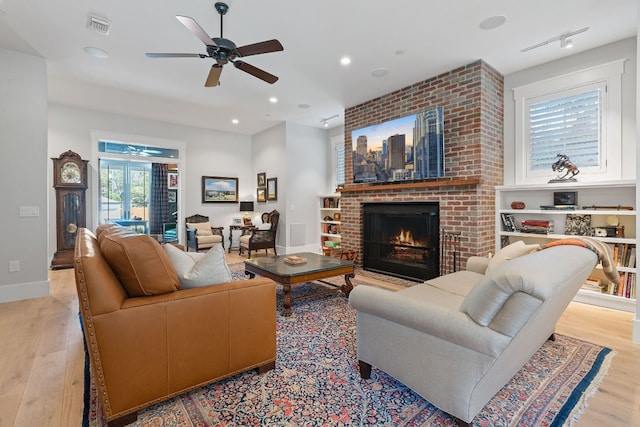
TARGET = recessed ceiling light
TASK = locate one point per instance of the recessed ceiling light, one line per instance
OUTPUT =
(273, 100)
(304, 106)
(96, 52)
(345, 60)
(235, 121)
(380, 72)
(493, 22)
(400, 51)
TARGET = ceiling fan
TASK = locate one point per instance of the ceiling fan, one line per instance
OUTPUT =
(224, 50)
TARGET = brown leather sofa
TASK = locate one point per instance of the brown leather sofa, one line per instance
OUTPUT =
(163, 341)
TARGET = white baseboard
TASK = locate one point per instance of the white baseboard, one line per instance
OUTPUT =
(22, 291)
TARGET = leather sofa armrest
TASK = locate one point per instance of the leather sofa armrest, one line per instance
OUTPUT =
(432, 319)
(477, 264)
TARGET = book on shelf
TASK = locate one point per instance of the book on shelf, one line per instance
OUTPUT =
(558, 207)
(537, 226)
(593, 284)
(508, 222)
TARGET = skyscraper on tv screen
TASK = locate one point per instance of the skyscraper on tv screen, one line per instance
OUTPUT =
(428, 144)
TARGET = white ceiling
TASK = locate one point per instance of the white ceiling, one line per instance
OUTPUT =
(435, 36)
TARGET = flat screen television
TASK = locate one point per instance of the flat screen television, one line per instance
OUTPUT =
(405, 149)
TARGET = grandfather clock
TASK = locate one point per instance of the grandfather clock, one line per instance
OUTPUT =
(70, 182)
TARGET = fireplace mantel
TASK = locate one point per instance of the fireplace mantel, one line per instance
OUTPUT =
(411, 185)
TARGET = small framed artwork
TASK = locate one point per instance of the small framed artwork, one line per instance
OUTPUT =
(172, 181)
(272, 189)
(237, 221)
(261, 194)
(172, 196)
(262, 179)
(216, 189)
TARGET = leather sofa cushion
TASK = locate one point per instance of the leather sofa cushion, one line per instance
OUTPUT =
(140, 263)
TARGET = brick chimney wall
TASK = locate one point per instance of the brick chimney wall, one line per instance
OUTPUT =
(472, 98)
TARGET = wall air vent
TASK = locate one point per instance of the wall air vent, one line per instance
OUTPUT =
(101, 25)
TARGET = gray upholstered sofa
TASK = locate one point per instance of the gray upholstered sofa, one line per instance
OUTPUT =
(457, 340)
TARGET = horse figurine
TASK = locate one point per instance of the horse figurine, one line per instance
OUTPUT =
(563, 164)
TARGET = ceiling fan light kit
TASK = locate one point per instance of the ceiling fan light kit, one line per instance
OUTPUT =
(223, 50)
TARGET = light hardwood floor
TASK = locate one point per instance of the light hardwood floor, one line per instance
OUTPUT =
(41, 360)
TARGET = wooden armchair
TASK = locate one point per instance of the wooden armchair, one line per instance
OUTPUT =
(262, 236)
(201, 234)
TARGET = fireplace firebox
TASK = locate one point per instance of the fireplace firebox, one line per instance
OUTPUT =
(402, 239)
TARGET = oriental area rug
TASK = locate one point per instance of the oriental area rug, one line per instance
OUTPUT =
(316, 383)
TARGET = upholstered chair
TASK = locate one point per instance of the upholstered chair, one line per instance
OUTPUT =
(201, 234)
(262, 236)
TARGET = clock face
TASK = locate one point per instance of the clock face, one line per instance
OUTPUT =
(70, 173)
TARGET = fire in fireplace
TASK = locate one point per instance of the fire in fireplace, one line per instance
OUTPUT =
(402, 239)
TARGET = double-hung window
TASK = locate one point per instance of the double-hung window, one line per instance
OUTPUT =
(577, 115)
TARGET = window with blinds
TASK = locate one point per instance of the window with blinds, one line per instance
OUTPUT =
(578, 114)
(569, 125)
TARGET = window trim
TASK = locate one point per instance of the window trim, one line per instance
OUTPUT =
(610, 76)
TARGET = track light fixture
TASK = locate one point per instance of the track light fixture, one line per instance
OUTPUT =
(565, 41)
(325, 122)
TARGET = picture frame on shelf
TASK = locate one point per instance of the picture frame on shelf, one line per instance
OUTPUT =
(272, 189)
(216, 189)
(172, 180)
(236, 221)
(577, 225)
(261, 194)
(262, 179)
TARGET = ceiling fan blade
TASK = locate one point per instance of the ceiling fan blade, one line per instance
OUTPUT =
(262, 47)
(196, 29)
(175, 55)
(214, 76)
(256, 72)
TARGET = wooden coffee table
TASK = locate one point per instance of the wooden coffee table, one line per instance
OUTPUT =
(317, 267)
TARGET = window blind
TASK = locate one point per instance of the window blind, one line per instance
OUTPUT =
(568, 125)
(339, 156)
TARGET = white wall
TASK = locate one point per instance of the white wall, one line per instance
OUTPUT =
(624, 49)
(269, 155)
(207, 153)
(23, 168)
(307, 166)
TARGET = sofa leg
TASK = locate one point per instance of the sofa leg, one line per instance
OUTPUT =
(124, 420)
(266, 367)
(365, 369)
(461, 423)
(552, 337)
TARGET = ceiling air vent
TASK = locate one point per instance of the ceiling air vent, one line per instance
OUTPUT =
(101, 25)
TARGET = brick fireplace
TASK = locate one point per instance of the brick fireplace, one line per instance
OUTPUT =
(472, 97)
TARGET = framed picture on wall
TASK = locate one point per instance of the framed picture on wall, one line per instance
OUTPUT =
(172, 181)
(261, 194)
(217, 189)
(262, 179)
(272, 189)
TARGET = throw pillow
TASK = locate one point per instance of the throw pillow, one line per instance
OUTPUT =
(256, 220)
(199, 269)
(204, 228)
(510, 252)
(264, 226)
(140, 264)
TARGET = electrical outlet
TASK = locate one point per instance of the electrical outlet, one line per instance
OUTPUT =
(14, 266)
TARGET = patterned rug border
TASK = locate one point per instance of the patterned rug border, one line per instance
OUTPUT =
(558, 400)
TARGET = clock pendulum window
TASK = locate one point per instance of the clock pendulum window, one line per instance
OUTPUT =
(70, 183)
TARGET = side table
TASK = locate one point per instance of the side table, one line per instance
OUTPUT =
(245, 230)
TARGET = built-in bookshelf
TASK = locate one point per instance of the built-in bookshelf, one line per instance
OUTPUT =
(330, 223)
(606, 211)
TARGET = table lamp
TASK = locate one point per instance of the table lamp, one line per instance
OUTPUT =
(247, 208)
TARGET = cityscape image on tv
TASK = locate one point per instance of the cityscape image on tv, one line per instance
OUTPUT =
(404, 149)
